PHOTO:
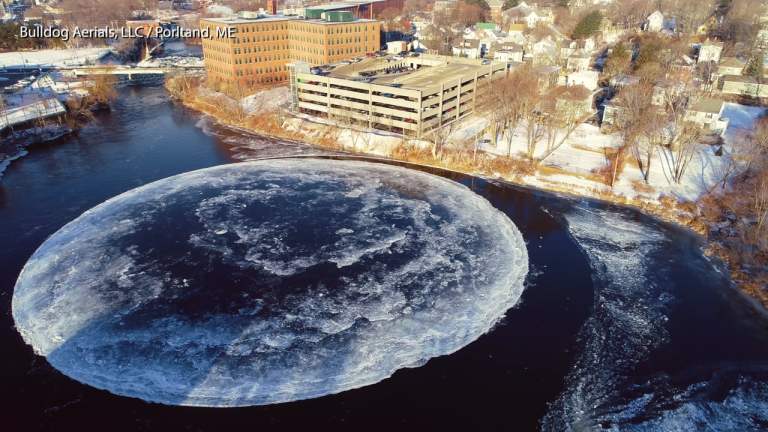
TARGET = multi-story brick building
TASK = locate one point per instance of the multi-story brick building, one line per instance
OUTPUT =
(260, 46)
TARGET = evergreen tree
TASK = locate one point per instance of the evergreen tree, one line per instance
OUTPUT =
(588, 25)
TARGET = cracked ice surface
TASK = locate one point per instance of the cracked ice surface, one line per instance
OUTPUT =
(269, 281)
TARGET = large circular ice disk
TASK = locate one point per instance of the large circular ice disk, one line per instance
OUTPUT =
(269, 281)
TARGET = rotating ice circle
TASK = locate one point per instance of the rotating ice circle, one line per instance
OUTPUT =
(269, 281)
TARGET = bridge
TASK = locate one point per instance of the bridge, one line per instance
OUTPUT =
(131, 75)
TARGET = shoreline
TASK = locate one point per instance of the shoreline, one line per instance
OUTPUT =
(19, 146)
(668, 210)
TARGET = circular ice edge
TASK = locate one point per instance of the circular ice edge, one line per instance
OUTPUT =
(269, 281)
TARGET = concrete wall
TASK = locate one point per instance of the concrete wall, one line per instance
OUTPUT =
(415, 112)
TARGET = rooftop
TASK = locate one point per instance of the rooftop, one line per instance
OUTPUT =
(343, 5)
(400, 74)
(732, 62)
(430, 76)
(708, 105)
(239, 20)
(278, 18)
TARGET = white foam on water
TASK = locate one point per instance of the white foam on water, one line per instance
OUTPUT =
(89, 301)
(628, 318)
(630, 314)
(742, 406)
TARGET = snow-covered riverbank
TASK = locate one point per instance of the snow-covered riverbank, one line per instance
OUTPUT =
(15, 145)
(576, 175)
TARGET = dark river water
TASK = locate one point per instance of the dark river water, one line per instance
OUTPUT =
(623, 325)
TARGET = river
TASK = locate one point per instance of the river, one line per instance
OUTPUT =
(624, 324)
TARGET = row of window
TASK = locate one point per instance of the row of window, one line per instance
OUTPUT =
(260, 71)
(284, 56)
(249, 50)
(266, 79)
(262, 27)
(267, 38)
(219, 70)
(257, 59)
(306, 28)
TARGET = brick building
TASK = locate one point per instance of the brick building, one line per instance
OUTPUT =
(261, 46)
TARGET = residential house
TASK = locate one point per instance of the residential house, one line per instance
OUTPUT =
(744, 86)
(579, 62)
(730, 66)
(397, 47)
(572, 101)
(622, 80)
(588, 78)
(517, 28)
(547, 76)
(708, 113)
(508, 53)
(443, 6)
(655, 22)
(469, 48)
(666, 90)
(545, 52)
(710, 51)
(611, 32)
(531, 16)
(614, 113)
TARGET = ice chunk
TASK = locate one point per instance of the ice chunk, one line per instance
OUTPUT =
(269, 281)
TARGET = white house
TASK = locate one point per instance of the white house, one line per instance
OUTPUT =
(531, 16)
(708, 113)
(588, 79)
(443, 5)
(731, 66)
(396, 47)
(545, 51)
(469, 48)
(613, 113)
(655, 22)
(509, 53)
(579, 62)
(710, 51)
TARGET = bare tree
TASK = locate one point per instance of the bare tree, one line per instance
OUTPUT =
(534, 124)
(567, 113)
(759, 151)
(467, 14)
(761, 211)
(520, 104)
(102, 90)
(706, 72)
(677, 138)
(630, 13)
(741, 25)
(439, 139)
(91, 13)
(680, 148)
(638, 118)
(411, 7)
(689, 15)
(510, 96)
